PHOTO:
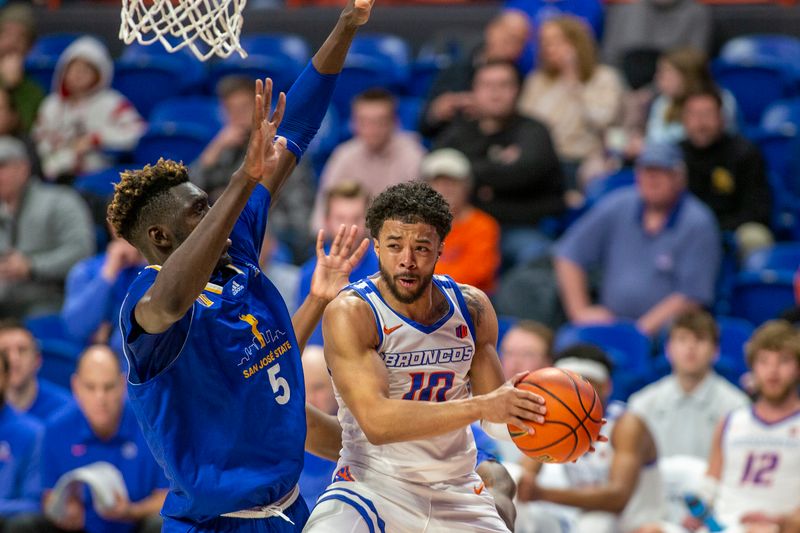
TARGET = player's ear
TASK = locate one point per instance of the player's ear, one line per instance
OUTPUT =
(159, 236)
(376, 245)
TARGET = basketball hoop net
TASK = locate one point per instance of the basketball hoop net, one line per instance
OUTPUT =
(207, 27)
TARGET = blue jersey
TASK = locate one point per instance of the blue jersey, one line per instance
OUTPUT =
(220, 394)
(50, 400)
(20, 451)
(70, 443)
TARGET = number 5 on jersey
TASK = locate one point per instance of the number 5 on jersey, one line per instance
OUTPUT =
(279, 385)
(438, 383)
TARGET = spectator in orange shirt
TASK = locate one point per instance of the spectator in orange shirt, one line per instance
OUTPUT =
(472, 251)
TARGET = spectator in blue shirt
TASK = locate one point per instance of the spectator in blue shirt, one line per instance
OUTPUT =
(94, 293)
(20, 440)
(658, 248)
(100, 428)
(24, 391)
(345, 204)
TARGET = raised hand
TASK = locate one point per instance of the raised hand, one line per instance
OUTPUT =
(262, 152)
(332, 272)
(358, 11)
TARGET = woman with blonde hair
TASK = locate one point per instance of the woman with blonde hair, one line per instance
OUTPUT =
(572, 93)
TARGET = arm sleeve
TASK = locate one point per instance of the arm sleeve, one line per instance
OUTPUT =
(74, 238)
(248, 233)
(86, 300)
(148, 354)
(699, 261)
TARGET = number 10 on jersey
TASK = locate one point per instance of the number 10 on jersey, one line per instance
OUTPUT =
(438, 383)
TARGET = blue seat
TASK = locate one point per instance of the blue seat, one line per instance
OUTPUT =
(326, 140)
(628, 349)
(781, 256)
(179, 142)
(423, 73)
(277, 44)
(761, 296)
(58, 360)
(149, 79)
(99, 183)
(775, 134)
(391, 49)
(733, 335)
(204, 111)
(756, 85)
(46, 327)
(283, 70)
(753, 48)
(408, 111)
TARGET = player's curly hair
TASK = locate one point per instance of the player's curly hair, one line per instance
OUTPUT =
(410, 202)
(139, 194)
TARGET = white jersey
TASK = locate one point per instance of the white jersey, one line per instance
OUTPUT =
(424, 363)
(760, 466)
(647, 503)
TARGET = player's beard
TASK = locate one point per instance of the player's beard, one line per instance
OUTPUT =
(778, 397)
(409, 297)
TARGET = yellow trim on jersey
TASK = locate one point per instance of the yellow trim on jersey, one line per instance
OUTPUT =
(210, 287)
(205, 300)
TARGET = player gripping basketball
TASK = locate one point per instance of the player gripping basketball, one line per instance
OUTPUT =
(215, 376)
(413, 361)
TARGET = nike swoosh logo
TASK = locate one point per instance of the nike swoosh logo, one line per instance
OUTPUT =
(478, 489)
(388, 331)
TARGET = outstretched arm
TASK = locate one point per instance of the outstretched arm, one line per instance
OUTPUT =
(311, 93)
(186, 272)
(362, 379)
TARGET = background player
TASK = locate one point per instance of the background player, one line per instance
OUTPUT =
(408, 465)
(618, 488)
(755, 455)
(215, 375)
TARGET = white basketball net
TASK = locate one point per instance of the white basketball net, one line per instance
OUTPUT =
(207, 27)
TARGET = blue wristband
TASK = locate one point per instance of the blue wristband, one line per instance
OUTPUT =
(306, 104)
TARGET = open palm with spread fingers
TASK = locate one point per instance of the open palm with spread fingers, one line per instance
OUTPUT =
(332, 272)
(263, 150)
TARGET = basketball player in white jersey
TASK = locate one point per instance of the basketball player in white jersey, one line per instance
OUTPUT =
(413, 362)
(619, 487)
(755, 456)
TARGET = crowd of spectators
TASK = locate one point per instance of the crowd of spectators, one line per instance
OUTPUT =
(516, 134)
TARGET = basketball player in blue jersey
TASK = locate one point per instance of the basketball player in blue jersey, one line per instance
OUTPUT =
(413, 362)
(215, 376)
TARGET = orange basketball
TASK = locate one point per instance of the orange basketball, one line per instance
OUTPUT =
(573, 420)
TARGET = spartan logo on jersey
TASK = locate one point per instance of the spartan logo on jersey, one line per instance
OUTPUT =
(260, 339)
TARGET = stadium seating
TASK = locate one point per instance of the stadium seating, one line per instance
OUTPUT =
(753, 48)
(99, 183)
(756, 85)
(628, 349)
(599, 187)
(761, 296)
(58, 360)
(375, 60)
(504, 323)
(204, 111)
(179, 142)
(781, 256)
(733, 335)
(779, 126)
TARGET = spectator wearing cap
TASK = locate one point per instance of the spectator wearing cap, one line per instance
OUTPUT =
(43, 232)
(657, 246)
(471, 253)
